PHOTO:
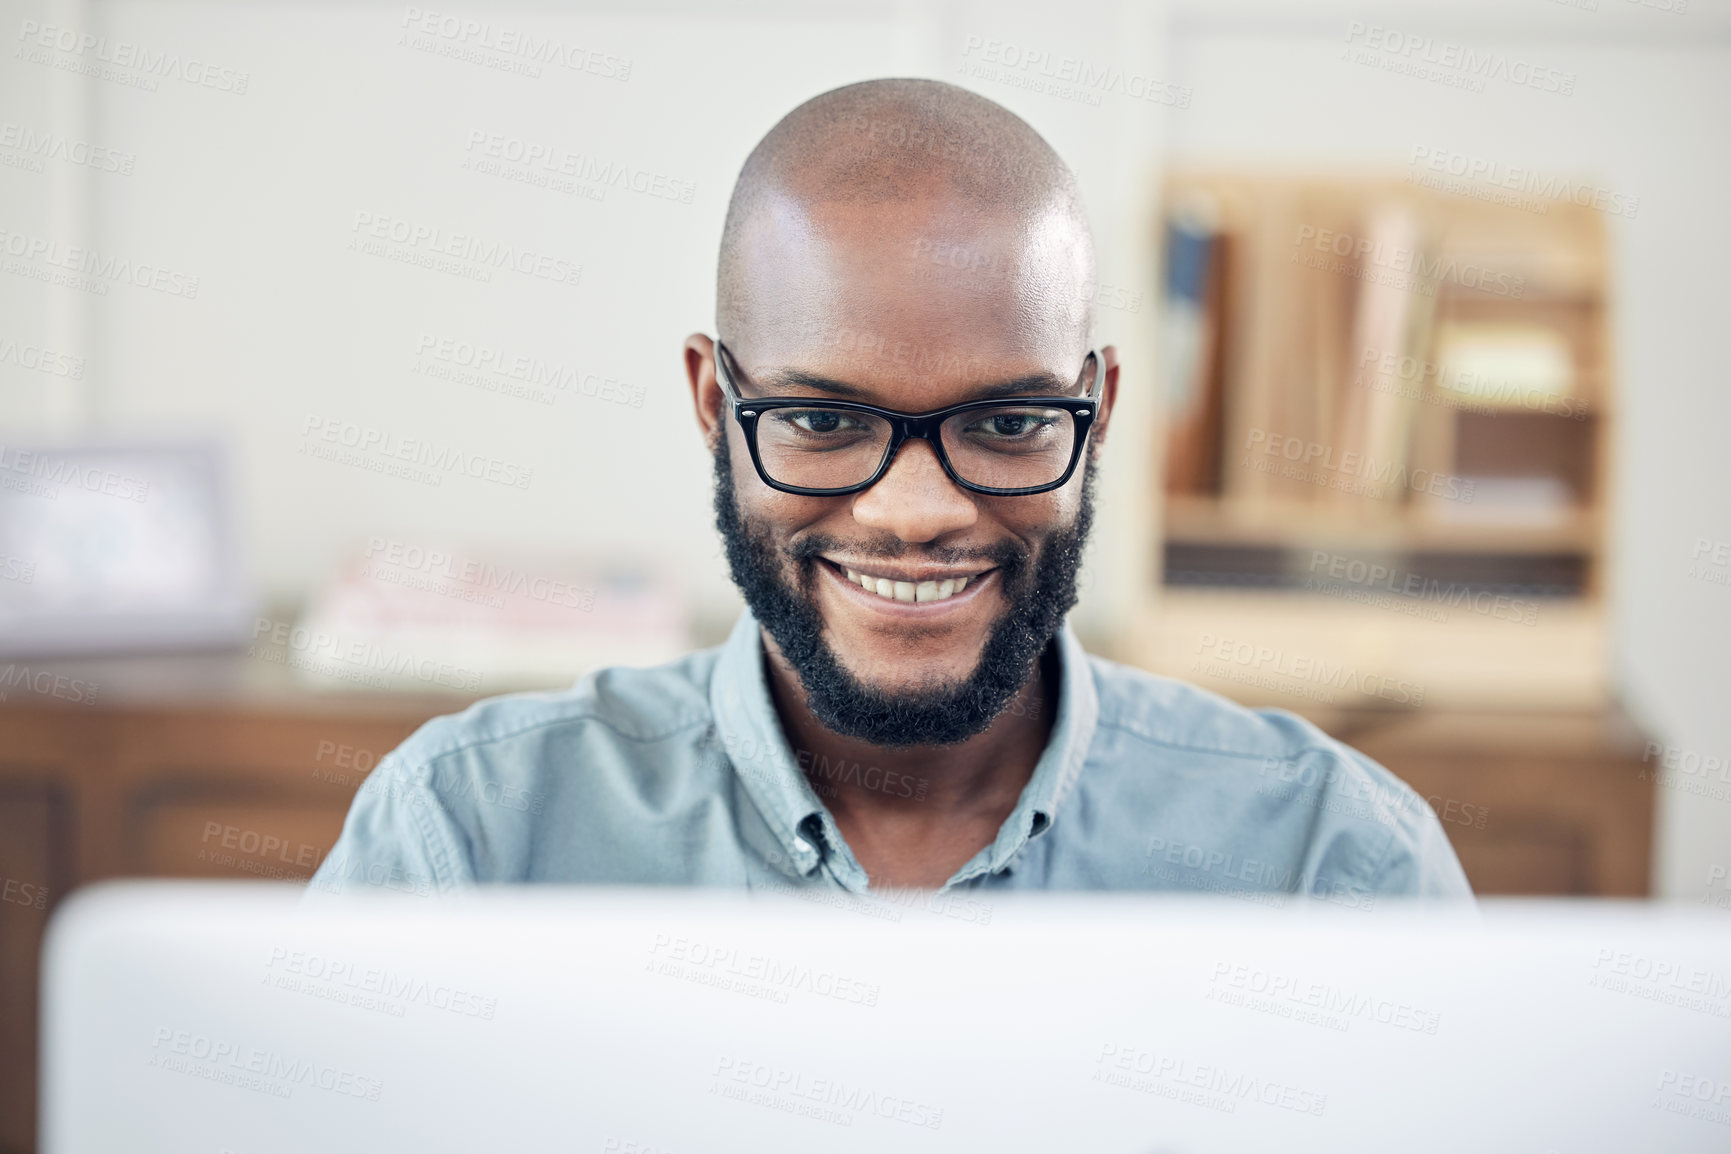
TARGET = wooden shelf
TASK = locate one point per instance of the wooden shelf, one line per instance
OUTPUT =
(1312, 652)
(1325, 311)
(1295, 525)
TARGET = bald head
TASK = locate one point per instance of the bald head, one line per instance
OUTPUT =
(904, 212)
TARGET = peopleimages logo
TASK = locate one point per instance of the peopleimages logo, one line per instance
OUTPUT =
(219, 1059)
(152, 64)
(1364, 249)
(353, 658)
(17, 569)
(1349, 471)
(495, 369)
(401, 562)
(584, 167)
(39, 146)
(1330, 999)
(414, 457)
(353, 977)
(1447, 62)
(73, 474)
(86, 269)
(1334, 572)
(1541, 187)
(1198, 1083)
(1382, 803)
(461, 36)
(1440, 383)
(1278, 668)
(1068, 77)
(694, 959)
(47, 683)
(789, 1090)
(40, 360)
(414, 243)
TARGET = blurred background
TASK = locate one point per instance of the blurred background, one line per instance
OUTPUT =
(340, 384)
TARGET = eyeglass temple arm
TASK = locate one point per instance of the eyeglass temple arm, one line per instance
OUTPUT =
(722, 376)
(1098, 390)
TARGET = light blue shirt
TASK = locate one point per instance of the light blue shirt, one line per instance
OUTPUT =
(681, 774)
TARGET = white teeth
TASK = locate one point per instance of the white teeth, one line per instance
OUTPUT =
(909, 590)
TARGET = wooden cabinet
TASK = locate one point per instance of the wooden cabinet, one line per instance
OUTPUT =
(1535, 803)
(211, 774)
(195, 767)
(34, 871)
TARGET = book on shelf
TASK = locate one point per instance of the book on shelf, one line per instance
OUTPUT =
(1512, 366)
(1384, 367)
(1390, 326)
(1192, 337)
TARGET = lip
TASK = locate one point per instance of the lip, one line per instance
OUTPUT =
(982, 580)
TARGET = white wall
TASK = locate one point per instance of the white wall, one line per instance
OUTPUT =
(257, 194)
(40, 199)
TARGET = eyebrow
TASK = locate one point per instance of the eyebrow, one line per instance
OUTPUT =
(1034, 384)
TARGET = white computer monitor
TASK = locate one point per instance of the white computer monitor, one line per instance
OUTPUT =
(200, 1017)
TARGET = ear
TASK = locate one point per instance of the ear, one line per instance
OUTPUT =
(1108, 394)
(706, 396)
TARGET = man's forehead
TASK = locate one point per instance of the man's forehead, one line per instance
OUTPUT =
(916, 291)
(932, 240)
(911, 375)
(861, 358)
(893, 364)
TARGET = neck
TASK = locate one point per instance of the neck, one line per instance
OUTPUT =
(913, 815)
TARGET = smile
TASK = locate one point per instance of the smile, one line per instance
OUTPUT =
(908, 590)
(914, 588)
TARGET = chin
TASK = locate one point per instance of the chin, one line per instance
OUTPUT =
(900, 669)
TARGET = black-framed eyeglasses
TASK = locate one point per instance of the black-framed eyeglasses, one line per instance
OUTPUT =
(1002, 447)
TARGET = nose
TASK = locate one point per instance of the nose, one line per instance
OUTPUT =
(915, 500)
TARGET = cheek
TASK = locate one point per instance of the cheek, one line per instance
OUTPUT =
(770, 510)
(1036, 517)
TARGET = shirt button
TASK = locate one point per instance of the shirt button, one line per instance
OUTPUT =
(799, 844)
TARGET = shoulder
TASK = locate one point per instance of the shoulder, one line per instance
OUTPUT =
(620, 733)
(1166, 712)
(617, 704)
(534, 785)
(490, 792)
(1274, 768)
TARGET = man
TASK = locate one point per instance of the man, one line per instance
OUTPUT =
(905, 417)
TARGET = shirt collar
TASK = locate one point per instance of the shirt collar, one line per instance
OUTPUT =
(790, 818)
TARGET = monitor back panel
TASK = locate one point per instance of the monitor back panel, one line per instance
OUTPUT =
(236, 1018)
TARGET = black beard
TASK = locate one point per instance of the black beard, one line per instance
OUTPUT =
(1038, 595)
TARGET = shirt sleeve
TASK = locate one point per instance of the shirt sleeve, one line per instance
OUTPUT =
(1419, 861)
(398, 836)
(1423, 864)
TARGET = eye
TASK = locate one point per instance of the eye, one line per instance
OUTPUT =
(819, 420)
(1012, 424)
